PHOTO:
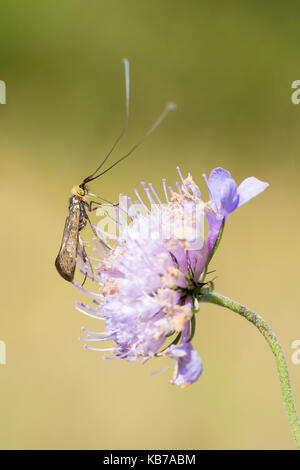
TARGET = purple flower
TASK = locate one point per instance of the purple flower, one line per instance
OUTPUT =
(148, 275)
(226, 197)
(188, 365)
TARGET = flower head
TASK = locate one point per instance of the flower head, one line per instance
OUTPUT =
(149, 280)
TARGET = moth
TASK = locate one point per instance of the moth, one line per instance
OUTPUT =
(79, 204)
(72, 244)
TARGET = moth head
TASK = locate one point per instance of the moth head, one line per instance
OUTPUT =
(80, 191)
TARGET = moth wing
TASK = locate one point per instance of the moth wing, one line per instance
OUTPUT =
(66, 259)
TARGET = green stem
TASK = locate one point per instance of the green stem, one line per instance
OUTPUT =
(271, 338)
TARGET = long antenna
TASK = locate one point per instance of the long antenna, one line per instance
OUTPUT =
(169, 107)
(127, 91)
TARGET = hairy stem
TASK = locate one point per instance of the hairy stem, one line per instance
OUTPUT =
(271, 338)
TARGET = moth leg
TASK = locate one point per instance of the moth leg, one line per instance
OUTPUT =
(100, 204)
(91, 208)
(96, 234)
(83, 254)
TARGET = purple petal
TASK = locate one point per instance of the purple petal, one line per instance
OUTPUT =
(214, 225)
(197, 260)
(228, 197)
(223, 191)
(189, 366)
(215, 181)
(225, 195)
(250, 188)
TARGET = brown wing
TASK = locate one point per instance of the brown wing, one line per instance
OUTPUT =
(66, 259)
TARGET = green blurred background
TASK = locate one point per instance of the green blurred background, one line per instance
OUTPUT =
(229, 66)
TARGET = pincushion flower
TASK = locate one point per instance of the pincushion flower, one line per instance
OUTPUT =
(150, 280)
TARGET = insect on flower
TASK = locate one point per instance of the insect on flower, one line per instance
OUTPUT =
(150, 283)
(79, 203)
